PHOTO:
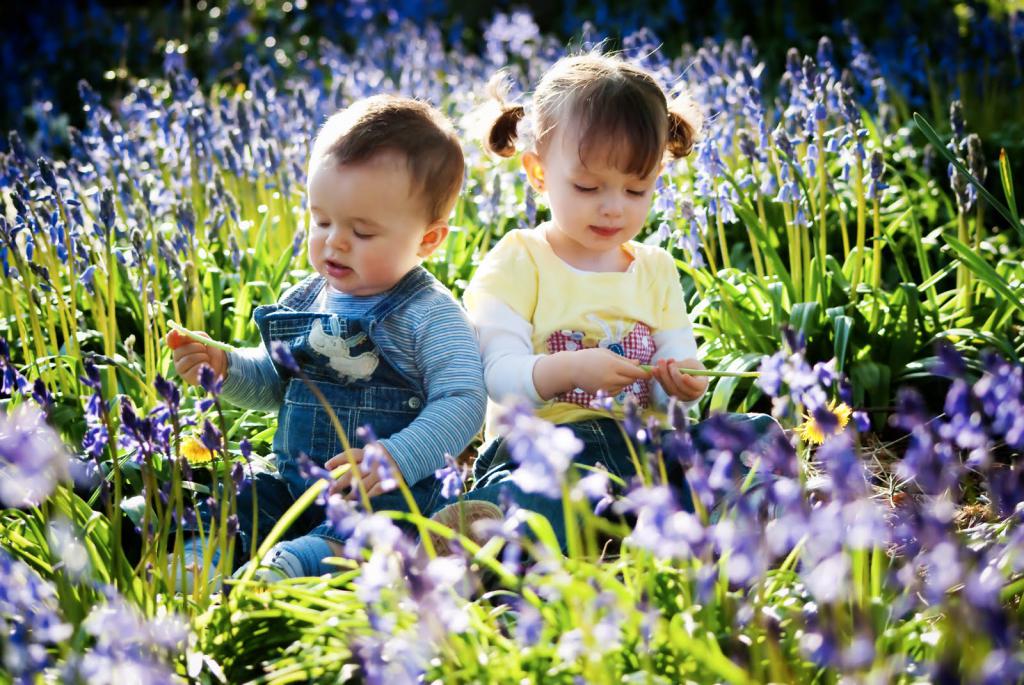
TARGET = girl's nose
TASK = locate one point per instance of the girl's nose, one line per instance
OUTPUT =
(611, 207)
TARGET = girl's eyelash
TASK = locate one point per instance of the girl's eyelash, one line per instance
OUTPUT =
(638, 193)
(361, 235)
(583, 189)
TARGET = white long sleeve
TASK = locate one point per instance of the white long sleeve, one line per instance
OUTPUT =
(678, 344)
(507, 351)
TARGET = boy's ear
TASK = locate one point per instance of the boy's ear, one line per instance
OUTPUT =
(534, 170)
(433, 237)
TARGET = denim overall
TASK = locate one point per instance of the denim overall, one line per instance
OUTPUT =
(339, 357)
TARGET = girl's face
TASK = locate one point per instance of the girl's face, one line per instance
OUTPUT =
(595, 207)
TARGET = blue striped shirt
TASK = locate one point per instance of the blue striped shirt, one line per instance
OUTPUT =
(430, 340)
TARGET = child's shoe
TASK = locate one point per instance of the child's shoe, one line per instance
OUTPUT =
(462, 517)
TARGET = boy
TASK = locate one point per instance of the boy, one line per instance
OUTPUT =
(383, 341)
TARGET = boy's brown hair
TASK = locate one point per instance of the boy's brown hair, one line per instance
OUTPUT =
(414, 129)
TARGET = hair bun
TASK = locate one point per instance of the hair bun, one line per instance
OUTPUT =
(684, 125)
(502, 137)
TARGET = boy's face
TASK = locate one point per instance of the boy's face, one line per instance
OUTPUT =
(369, 228)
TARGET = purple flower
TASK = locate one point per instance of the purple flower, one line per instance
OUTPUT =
(209, 380)
(595, 487)
(33, 460)
(450, 477)
(31, 621)
(282, 355)
(210, 437)
(342, 515)
(168, 391)
(375, 458)
(661, 526)
(949, 362)
(542, 451)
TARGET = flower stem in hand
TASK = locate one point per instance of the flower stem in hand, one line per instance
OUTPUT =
(710, 372)
(175, 326)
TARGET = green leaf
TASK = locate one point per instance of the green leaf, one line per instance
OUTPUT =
(1006, 176)
(940, 147)
(985, 273)
(842, 326)
(761, 233)
(804, 317)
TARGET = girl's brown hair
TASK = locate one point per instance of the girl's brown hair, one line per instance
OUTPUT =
(607, 99)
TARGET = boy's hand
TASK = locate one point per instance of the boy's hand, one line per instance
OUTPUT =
(370, 476)
(679, 385)
(190, 355)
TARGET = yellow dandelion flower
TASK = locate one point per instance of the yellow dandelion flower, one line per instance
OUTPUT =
(811, 431)
(195, 452)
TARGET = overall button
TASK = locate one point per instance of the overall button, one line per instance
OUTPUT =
(414, 403)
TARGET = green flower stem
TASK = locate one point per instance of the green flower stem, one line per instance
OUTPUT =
(175, 326)
(876, 263)
(710, 373)
(858, 264)
(721, 235)
(822, 207)
(962, 272)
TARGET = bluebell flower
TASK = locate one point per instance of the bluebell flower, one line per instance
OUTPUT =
(375, 459)
(210, 436)
(210, 381)
(595, 487)
(33, 460)
(542, 451)
(662, 527)
(168, 391)
(282, 355)
(47, 175)
(450, 477)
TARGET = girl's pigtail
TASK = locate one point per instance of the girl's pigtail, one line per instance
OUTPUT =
(501, 136)
(684, 125)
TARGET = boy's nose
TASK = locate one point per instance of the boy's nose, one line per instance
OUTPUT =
(337, 241)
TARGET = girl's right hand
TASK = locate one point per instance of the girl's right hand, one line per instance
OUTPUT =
(190, 355)
(591, 370)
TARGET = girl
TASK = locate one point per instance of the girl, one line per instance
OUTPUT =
(575, 309)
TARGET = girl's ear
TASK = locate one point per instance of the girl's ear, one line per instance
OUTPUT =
(433, 237)
(534, 170)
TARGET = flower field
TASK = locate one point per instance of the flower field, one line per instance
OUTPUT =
(848, 237)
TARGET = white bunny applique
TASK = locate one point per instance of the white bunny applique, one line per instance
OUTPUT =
(338, 351)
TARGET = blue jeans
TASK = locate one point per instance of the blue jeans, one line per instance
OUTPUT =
(604, 442)
(274, 497)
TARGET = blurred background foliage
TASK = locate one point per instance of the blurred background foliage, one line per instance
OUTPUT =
(970, 50)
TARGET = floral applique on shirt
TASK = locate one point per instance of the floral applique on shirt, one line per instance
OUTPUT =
(638, 344)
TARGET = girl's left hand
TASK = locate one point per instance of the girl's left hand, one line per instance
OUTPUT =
(679, 385)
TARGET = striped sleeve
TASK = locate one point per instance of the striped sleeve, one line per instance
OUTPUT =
(252, 380)
(448, 358)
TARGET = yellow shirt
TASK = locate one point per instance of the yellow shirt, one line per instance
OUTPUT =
(573, 309)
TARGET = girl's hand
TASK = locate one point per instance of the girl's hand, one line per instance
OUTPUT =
(679, 385)
(590, 370)
(190, 355)
(370, 476)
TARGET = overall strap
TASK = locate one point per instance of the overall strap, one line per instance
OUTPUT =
(411, 285)
(302, 295)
